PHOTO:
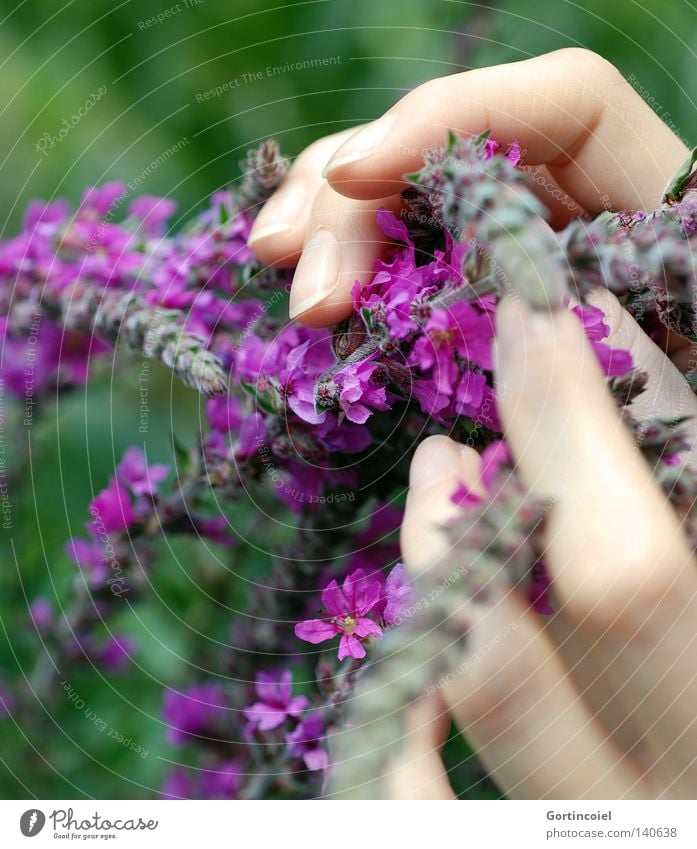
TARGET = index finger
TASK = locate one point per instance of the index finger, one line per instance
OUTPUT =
(570, 111)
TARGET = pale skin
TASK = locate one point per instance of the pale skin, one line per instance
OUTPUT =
(600, 701)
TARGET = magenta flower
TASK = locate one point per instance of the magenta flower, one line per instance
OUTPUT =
(397, 595)
(347, 607)
(139, 477)
(222, 782)
(115, 652)
(41, 613)
(197, 710)
(7, 702)
(276, 701)
(494, 457)
(459, 331)
(613, 361)
(216, 529)
(88, 554)
(359, 391)
(307, 742)
(178, 785)
(112, 507)
(152, 212)
(224, 413)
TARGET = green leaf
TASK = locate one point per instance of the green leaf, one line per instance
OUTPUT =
(187, 465)
(683, 180)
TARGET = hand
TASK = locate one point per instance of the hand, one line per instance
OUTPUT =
(598, 701)
(587, 137)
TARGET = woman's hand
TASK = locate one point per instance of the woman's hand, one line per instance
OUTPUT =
(587, 137)
(599, 701)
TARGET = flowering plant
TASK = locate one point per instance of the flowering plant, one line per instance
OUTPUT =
(321, 424)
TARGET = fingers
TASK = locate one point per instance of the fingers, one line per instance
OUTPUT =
(336, 239)
(572, 447)
(523, 713)
(620, 564)
(439, 464)
(418, 771)
(341, 247)
(280, 228)
(667, 393)
(511, 694)
(570, 111)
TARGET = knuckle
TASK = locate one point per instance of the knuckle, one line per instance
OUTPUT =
(621, 592)
(589, 62)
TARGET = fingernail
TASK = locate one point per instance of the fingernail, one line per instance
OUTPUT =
(278, 217)
(361, 145)
(317, 274)
(258, 234)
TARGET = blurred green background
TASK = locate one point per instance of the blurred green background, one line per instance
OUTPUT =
(144, 77)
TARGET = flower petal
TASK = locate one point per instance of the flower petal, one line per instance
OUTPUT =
(334, 600)
(368, 628)
(315, 630)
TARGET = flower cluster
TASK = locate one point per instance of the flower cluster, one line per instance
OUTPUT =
(319, 421)
(348, 607)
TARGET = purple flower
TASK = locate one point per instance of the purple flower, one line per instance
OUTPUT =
(216, 529)
(197, 710)
(112, 507)
(613, 361)
(152, 212)
(347, 608)
(222, 781)
(7, 702)
(224, 413)
(88, 554)
(459, 331)
(178, 785)
(41, 613)
(139, 477)
(276, 701)
(307, 742)
(493, 459)
(397, 595)
(98, 200)
(115, 652)
(492, 147)
(298, 384)
(358, 391)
